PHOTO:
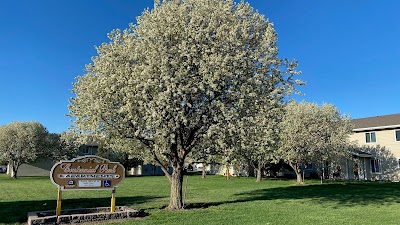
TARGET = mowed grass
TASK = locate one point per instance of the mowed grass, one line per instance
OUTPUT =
(214, 200)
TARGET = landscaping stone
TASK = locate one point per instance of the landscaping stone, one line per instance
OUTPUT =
(85, 215)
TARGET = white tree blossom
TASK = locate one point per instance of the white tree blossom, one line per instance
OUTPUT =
(186, 69)
(22, 142)
(312, 133)
(258, 136)
(62, 146)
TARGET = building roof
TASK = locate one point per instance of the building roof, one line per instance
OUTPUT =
(377, 122)
(361, 154)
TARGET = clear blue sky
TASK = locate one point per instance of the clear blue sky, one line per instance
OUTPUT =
(348, 51)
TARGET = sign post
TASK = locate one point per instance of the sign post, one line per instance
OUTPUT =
(87, 173)
(113, 200)
(58, 209)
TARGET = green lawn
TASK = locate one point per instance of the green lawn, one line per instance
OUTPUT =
(216, 201)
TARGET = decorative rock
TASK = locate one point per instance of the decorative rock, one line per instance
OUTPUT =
(76, 216)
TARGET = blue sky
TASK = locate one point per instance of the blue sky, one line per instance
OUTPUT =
(348, 51)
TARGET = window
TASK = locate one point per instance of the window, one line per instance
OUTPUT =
(375, 166)
(370, 137)
(86, 150)
(92, 150)
(397, 135)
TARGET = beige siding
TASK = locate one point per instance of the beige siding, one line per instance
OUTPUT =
(384, 138)
(37, 168)
(388, 153)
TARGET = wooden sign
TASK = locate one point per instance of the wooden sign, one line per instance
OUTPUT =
(87, 173)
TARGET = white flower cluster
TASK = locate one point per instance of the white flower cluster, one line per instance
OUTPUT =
(187, 72)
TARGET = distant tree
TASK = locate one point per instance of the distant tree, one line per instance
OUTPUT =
(22, 142)
(313, 133)
(259, 135)
(62, 146)
(186, 67)
(207, 154)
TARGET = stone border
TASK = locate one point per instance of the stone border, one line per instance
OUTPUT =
(85, 215)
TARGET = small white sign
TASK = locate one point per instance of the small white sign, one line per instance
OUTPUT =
(89, 183)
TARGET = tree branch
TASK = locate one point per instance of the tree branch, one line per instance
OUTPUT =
(159, 163)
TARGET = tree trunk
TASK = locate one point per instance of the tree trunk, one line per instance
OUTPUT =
(299, 178)
(9, 168)
(176, 181)
(259, 172)
(204, 172)
(250, 169)
(227, 172)
(15, 166)
(298, 170)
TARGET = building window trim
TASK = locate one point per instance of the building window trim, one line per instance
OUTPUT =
(376, 166)
(370, 137)
(397, 135)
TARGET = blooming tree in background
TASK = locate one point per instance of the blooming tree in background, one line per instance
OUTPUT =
(313, 133)
(22, 142)
(258, 136)
(63, 146)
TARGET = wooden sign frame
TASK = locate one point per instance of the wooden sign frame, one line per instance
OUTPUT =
(87, 173)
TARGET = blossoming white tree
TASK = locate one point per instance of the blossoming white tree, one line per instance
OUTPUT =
(258, 136)
(312, 133)
(62, 146)
(185, 70)
(22, 142)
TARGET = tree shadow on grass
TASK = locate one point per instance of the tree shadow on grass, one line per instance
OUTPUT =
(342, 194)
(16, 212)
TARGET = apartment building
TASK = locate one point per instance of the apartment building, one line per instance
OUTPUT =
(379, 140)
